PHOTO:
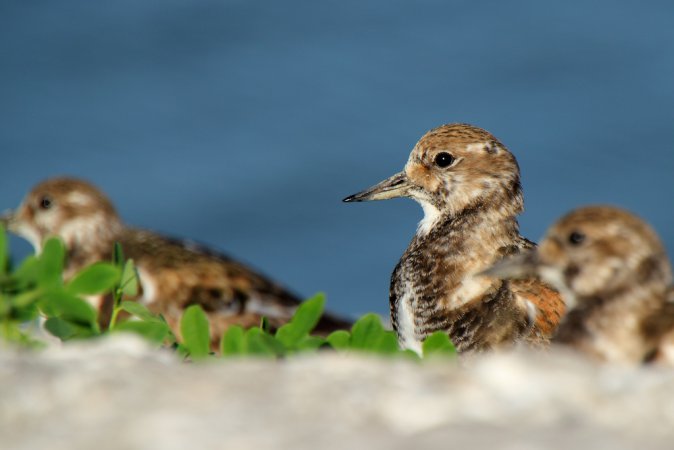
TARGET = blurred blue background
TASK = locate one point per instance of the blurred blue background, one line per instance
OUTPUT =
(242, 124)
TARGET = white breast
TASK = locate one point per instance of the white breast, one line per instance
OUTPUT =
(406, 329)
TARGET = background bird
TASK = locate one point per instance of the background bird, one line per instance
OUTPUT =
(615, 278)
(468, 185)
(173, 274)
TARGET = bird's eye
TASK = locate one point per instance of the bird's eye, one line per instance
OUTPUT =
(46, 202)
(443, 159)
(576, 238)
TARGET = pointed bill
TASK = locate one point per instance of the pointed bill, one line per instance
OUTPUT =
(522, 265)
(396, 186)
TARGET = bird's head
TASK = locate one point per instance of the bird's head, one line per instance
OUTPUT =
(71, 209)
(594, 252)
(452, 168)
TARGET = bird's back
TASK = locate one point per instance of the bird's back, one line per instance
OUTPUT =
(176, 274)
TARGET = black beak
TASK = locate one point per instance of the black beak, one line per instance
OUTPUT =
(396, 186)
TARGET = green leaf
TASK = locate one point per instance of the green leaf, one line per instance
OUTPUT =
(310, 343)
(258, 343)
(140, 311)
(410, 354)
(304, 320)
(5, 305)
(29, 270)
(438, 343)
(117, 254)
(25, 299)
(97, 278)
(388, 343)
(340, 339)
(51, 263)
(367, 332)
(57, 302)
(232, 342)
(182, 350)
(129, 283)
(264, 324)
(10, 331)
(24, 313)
(59, 328)
(195, 330)
(4, 250)
(153, 331)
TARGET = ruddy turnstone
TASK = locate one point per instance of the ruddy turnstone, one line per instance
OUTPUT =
(173, 274)
(615, 278)
(468, 185)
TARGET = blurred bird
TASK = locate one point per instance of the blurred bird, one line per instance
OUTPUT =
(615, 278)
(468, 185)
(173, 274)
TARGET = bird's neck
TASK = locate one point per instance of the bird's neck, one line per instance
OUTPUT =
(498, 209)
(472, 239)
(91, 243)
(491, 225)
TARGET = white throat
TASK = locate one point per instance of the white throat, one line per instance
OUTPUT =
(431, 217)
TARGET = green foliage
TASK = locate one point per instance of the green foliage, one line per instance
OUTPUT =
(368, 334)
(195, 331)
(36, 289)
(4, 253)
(232, 342)
(98, 278)
(145, 323)
(438, 343)
(292, 334)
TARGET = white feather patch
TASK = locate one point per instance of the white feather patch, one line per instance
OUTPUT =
(149, 285)
(406, 328)
(79, 198)
(478, 146)
(431, 217)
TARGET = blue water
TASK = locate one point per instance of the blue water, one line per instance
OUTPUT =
(242, 124)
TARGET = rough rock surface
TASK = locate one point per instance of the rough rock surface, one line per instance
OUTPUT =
(119, 394)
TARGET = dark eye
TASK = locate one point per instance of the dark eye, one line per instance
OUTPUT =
(576, 238)
(443, 159)
(45, 202)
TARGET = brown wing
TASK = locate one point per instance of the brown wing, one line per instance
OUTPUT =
(658, 329)
(548, 303)
(176, 274)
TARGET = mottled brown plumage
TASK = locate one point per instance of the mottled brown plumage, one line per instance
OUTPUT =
(469, 187)
(616, 280)
(173, 274)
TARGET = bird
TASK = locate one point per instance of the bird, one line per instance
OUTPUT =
(173, 274)
(468, 184)
(616, 280)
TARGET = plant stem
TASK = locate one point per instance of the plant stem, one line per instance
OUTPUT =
(117, 301)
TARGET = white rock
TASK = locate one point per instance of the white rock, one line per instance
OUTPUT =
(121, 394)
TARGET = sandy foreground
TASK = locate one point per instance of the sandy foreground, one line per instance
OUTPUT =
(120, 394)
